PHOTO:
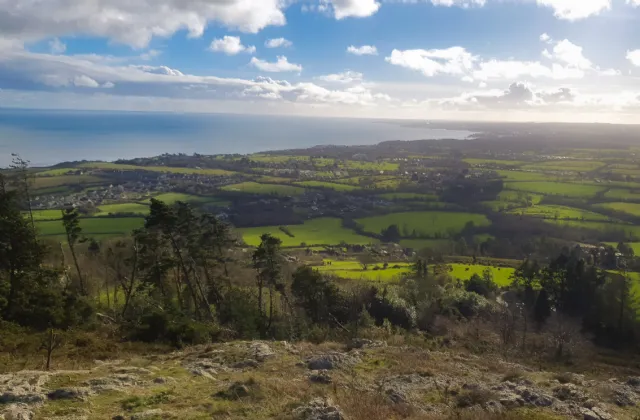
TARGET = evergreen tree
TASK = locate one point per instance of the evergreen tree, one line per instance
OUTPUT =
(71, 223)
(268, 265)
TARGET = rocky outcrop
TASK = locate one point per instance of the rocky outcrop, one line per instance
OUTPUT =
(332, 360)
(319, 409)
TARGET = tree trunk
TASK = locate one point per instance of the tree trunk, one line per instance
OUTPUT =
(134, 272)
(75, 262)
(260, 306)
(187, 279)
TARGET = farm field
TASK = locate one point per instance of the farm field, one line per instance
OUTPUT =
(322, 231)
(46, 215)
(264, 189)
(556, 188)
(501, 275)
(472, 161)
(102, 227)
(55, 172)
(330, 185)
(632, 232)
(41, 182)
(166, 169)
(172, 198)
(567, 165)
(523, 176)
(634, 245)
(375, 272)
(371, 166)
(620, 194)
(428, 223)
(559, 212)
(418, 244)
(136, 208)
(629, 208)
(408, 196)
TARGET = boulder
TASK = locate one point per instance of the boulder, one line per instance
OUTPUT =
(69, 394)
(569, 392)
(320, 377)
(363, 343)
(247, 363)
(17, 412)
(260, 351)
(148, 414)
(319, 409)
(624, 397)
(332, 360)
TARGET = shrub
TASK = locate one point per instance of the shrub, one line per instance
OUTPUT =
(474, 397)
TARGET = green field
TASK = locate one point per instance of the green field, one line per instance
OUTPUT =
(136, 208)
(264, 189)
(522, 176)
(266, 158)
(118, 167)
(429, 223)
(634, 245)
(418, 244)
(556, 188)
(629, 208)
(620, 194)
(42, 182)
(375, 272)
(46, 214)
(323, 231)
(330, 185)
(371, 166)
(567, 165)
(408, 196)
(629, 230)
(55, 172)
(93, 227)
(172, 198)
(476, 162)
(560, 213)
(501, 275)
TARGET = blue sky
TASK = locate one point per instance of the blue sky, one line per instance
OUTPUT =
(533, 60)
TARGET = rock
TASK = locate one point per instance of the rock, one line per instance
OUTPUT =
(160, 380)
(260, 351)
(319, 409)
(147, 414)
(624, 398)
(206, 368)
(633, 381)
(115, 382)
(363, 343)
(396, 397)
(589, 415)
(69, 394)
(239, 390)
(601, 413)
(332, 360)
(118, 417)
(511, 401)
(320, 377)
(17, 412)
(23, 387)
(132, 370)
(248, 363)
(569, 392)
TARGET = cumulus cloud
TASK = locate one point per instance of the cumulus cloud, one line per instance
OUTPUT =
(133, 22)
(281, 65)
(452, 61)
(345, 77)
(56, 46)
(150, 55)
(634, 57)
(351, 8)
(230, 45)
(576, 9)
(159, 70)
(634, 2)
(278, 43)
(570, 54)
(545, 38)
(363, 50)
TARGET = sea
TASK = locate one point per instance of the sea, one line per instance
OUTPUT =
(46, 137)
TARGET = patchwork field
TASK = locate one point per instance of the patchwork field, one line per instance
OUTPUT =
(408, 196)
(330, 185)
(560, 213)
(264, 189)
(99, 227)
(567, 165)
(622, 194)
(632, 232)
(41, 182)
(501, 275)
(430, 223)
(522, 176)
(323, 231)
(629, 208)
(418, 244)
(46, 214)
(166, 169)
(134, 208)
(172, 198)
(480, 162)
(556, 188)
(375, 272)
(634, 245)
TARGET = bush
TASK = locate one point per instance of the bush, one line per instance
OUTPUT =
(176, 330)
(474, 397)
(239, 311)
(464, 303)
(481, 285)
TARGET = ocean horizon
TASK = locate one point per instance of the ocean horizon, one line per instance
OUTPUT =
(48, 137)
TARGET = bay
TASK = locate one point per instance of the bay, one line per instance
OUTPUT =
(47, 137)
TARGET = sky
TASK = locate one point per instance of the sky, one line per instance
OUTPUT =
(498, 60)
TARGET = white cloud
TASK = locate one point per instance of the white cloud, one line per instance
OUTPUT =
(450, 3)
(634, 2)
(576, 9)
(345, 77)
(278, 43)
(108, 85)
(452, 61)
(231, 45)
(545, 38)
(133, 22)
(351, 8)
(363, 50)
(56, 46)
(164, 70)
(281, 65)
(570, 54)
(634, 57)
(150, 55)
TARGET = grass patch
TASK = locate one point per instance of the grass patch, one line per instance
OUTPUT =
(371, 166)
(322, 231)
(98, 227)
(172, 198)
(134, 208)
(428, 223)
(522, 176)
(628, 208)
(329, 185)
(622, 194)
(353, 270)
(408, 196)
(501, 275)
(56, 172)
(560, 213)
(164, 169)
(632, 232)
(264, 189)
(46, 215)
(43, 182)
(418, 244)
(497, 162)
(567, 165)
(556, 188)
